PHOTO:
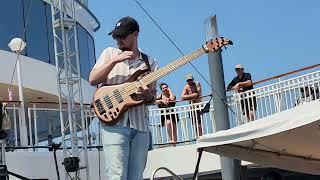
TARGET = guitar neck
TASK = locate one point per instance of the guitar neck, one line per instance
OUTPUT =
(156, 75)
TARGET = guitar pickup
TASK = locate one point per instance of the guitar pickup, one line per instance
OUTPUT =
(118, 96)
(108, 102)
(99, 106)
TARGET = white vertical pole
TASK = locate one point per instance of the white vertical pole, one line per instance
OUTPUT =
(22, 117)
(30, 127)
(15, 125)
(35, 124)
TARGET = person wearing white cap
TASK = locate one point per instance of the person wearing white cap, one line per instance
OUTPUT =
(241, 83)
(192, 92)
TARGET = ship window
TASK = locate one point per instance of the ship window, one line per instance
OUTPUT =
(36, 30)
(11, 16)
(83, 52)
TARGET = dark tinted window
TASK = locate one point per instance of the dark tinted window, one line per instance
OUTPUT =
(39, 33)
(36, 30)
(91, 49)
(83, 52)
(50, 35)
(11, 23)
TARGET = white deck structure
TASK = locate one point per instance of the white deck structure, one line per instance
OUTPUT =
(281, 106)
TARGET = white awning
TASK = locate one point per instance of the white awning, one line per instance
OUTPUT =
(287, 140)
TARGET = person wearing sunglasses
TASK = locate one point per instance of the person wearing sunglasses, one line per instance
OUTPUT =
(126, 143)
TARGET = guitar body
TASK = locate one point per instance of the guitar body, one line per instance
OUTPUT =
(110, 102)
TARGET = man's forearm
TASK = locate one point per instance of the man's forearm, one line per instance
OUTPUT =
(190, 96)
(159, 101)
(98, 75)
(245, 84)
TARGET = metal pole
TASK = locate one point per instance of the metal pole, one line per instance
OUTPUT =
(15, 125)
(30, 127)
(3, 152)
(230, 168)
(35, 124)
(50, 140)
(69, 82)
(23, 126)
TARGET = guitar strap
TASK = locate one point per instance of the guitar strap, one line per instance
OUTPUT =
(146, 61)
(138, 73)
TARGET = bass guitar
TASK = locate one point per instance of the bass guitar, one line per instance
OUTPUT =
(110, 102)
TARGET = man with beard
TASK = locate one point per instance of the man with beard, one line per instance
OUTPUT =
(126, 143)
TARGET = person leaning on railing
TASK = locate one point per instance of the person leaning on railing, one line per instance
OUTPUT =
(169, 118)
(192, 92)
(241, 83)
(307, 95)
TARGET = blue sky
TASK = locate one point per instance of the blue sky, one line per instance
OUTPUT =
(270, 37)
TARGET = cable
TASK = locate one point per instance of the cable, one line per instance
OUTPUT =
(55, 147)
(196, 171)
(69, 175)
(99, 164)
(23, 34)
(175, 45)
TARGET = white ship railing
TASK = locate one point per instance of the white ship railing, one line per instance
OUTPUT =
(269, 100)
(266, 100)
(273, 98)
(187, 119)
(50, 111)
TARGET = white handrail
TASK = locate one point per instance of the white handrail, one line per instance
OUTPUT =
(184, 122)
(273, 98)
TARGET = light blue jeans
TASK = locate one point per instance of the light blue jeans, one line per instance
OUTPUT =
(125, 151)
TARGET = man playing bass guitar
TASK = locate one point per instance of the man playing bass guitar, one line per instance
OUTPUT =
(125, 144)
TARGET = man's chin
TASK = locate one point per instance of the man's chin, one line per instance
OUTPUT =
(122, 48)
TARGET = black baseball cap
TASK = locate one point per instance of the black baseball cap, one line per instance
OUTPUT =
(125, 26)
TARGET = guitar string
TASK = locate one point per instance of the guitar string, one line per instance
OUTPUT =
(176, 64)
(127, 90)
(131, 87)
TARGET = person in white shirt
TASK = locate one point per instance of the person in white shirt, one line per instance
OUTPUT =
(125, 144)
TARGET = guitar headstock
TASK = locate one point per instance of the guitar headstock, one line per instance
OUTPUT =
(216, 44)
